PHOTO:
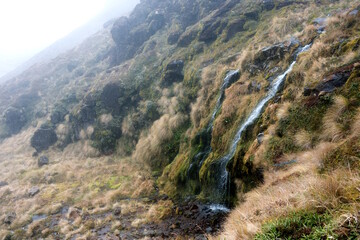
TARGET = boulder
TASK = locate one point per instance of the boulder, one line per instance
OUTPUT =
(120, 30)
(58, 115)
(33, 191)
(260, 138)
(173, 73)
(173, 37)
(110, 97)
(15, 119)
(43, 138)
(43, 160)
(234, 27)
(211, 30)
(187, 37)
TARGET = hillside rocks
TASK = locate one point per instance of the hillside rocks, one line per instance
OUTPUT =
(33, 191)
(15, 119)
(3, 184)
(332, 81)
(9, 218)
(43, 160)
(173, 73)
(43, 138)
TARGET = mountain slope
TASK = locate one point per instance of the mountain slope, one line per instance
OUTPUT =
(232, 103)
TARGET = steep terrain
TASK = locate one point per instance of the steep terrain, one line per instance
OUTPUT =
(158, 124)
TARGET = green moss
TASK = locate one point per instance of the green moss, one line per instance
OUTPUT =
(279, 146)
(302, 116)
(299, 225)
(104, 141)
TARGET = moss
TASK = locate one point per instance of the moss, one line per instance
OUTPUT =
(299, 225)
(302, 116)
(278, 146)
(104, 141)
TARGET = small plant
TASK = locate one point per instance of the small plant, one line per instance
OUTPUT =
(299, 225)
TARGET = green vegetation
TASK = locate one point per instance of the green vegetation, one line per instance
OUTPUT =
(299, 225)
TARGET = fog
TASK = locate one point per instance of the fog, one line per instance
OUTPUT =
(30, 26)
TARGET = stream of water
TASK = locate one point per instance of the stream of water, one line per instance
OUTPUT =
(224, 181)
(201, 156)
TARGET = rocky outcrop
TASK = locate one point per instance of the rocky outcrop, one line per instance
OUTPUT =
(43, 138)
(33, 191)
(42, 161)
(3, 184)
(332, 81)
(234, 27)
(58, 115)
(15, 120)
(173, 73)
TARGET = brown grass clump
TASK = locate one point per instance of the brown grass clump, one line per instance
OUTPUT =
(331, 128)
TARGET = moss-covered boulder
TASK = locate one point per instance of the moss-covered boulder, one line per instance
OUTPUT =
(43, 138)
(15, 120)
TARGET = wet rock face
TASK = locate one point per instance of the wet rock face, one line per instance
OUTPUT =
(43, 138)
(43, 160)
(15, 119)
(173, 73)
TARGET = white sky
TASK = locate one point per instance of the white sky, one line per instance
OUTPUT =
(27, 26)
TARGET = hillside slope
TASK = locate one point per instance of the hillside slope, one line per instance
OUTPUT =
(156, 125)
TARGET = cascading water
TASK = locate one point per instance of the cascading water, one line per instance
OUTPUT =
(200, 157)
(224, 180)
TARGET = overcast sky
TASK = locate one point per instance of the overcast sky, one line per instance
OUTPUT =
(28, 26)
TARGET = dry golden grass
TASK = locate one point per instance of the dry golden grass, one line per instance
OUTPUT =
(284, 191)
(331, 128)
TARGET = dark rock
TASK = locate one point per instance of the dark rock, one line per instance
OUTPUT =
(58, 115)
(43, 160)
(43, 139)
(3, 183)
(307, 91)
(15, 119)
(117, 211)
(235, 27)
(173, 37)
(333, 81)
(187, 37)
(208, 230)
(268, 4)
(173, 73)
(260, 138)
(9, 218)
(211, 30)
(275, 52)
(110, 98)
(33, 191)
(121, 30)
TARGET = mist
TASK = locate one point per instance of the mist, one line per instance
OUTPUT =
(23, 45)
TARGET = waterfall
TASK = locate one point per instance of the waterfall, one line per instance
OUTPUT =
(224, 180)
(200, 157)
